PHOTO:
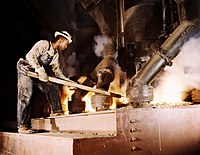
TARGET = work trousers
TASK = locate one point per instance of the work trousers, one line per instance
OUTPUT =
(25, 92)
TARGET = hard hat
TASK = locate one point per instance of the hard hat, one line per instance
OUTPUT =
(64, 34)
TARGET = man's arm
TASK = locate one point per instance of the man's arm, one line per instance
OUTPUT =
(56, 67)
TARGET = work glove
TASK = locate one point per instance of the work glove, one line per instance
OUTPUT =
(42, 74)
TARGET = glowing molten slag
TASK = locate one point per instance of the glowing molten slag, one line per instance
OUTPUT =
(65, 97)
(114, 87)
(87, 99)
(89, 108)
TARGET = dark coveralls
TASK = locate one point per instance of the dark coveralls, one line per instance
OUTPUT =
(42, 54)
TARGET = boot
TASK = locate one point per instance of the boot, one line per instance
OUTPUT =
(56, 114)
(25, 130)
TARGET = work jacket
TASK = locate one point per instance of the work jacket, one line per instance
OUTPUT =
(42, 54)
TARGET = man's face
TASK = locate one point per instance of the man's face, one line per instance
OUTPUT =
(63, 43)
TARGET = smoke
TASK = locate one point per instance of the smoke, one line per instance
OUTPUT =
(184, 74)
(101, 41)
(186, 65)
(71, 64)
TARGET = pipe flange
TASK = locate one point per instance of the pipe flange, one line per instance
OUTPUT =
(139, 94)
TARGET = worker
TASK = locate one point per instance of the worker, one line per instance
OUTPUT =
(43, 58)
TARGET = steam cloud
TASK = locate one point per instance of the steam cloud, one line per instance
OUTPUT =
(71, 65)
(186, 65)
(101, 41)
(185, 72)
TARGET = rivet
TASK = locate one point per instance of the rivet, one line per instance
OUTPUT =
(132, 121)
(133, 130)
(133, 148)
(133, 139)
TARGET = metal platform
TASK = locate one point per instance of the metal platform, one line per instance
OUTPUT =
(103, 122)
(139, 131)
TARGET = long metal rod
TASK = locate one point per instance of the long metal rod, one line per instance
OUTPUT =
(121, 3)
(73, 84)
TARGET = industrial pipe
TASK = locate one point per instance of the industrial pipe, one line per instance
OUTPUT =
(139, 88)
(90, 4)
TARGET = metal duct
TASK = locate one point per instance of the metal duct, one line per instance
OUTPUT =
(139, 88)
(90, 4)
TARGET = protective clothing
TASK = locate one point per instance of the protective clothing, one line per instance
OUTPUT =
(25, 130)
(44, 60)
